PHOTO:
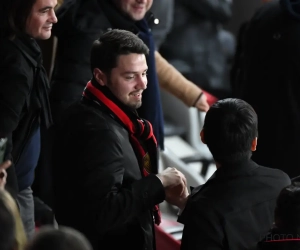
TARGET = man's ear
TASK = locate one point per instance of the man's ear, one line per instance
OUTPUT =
(254, 144)
(202, 136)
(100, 77)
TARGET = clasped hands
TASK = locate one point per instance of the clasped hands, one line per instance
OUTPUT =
(175, 186)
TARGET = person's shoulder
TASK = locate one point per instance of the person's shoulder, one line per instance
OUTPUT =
(87, 116)
(13, 61)
(9, 50)
(274, 173)
(83, 113)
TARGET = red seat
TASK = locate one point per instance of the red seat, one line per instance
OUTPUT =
(165, 241)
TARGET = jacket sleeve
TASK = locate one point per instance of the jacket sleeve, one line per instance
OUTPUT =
(202, 228)
(14, 89)
(218, 11)
(171, 80)
(116, 201)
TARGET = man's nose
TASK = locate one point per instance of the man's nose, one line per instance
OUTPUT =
(53, 18)
(141, 82)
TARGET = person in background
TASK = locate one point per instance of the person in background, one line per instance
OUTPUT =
(24, 104)
(285, 233)
(7, 232)
(20, 238)
(268, 80)
(8, 202)
(235, 71)
(63, 238)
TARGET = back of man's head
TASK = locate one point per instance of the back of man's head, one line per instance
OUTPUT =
(64, 238)
(7, 228)
(287, 211)
(229, 129)
(112, 44)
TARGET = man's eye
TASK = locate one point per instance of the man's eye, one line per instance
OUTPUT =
(129, 77)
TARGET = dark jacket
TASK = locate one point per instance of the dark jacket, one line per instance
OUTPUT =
(236, 67)
(233, 209)
(198, 46)
(23, 90)
(269, 81)
(99, 188)
(80, 24)
(164, 13)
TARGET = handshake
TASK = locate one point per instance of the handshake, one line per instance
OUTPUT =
(175, 186)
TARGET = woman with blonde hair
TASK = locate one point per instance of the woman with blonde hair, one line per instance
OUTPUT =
(11, 205)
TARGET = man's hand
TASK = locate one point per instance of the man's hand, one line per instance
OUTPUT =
(202, 103)
(172, 178)
(3, 175)
(175, 198)
(175, 186)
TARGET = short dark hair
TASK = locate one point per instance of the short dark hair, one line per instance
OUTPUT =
(287, 210)
(7, 232)
(63, 238)
(13, 16)
(112, 44)
(230, 126)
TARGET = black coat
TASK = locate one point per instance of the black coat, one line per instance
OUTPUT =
(23, 91)
(233, 209)
(99, 188)
(268, 79)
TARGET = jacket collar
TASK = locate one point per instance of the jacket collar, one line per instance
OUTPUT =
(243, 167)
(131, 113)
(229, 170)
(29, 47)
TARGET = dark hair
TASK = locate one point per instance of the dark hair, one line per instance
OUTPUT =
(230, 126)
(13, 16)
(284, 235)
(7, 232)
(287, 211)
(111, 45)
(63, 238)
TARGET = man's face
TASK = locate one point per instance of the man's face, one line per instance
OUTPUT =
(135, 9)
(129, 79)
(41, 18)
